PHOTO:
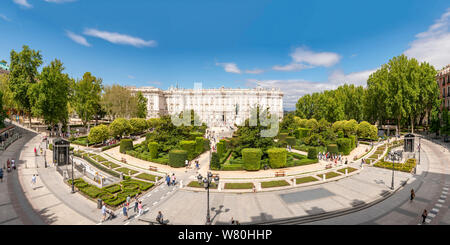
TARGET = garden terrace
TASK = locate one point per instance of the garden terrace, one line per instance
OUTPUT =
(329, 175)
(305, 180)
(349, 170)
(113, 195)
(275, 183)
(239, 185)
(195, 184)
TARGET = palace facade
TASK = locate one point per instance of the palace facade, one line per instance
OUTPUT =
(216, 107)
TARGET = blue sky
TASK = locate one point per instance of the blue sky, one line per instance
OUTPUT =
(297, 46)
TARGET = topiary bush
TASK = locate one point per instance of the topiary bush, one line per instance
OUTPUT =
(252, 158)
(283, 136)
(189, 147)
(332, 148)
(215, 162)
(177, 158)
(153, 149)
(291, 140)
(277, 157)
(301, 133)
(220, 148)
(354, 141)
(199, 145)
(206, 146)
(126, 145)
(312, 153)
(195, 135)
(344, 145)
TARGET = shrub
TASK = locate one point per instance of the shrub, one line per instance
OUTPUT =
(206, 146)
(91, 191)
(232, 167)
(153, 149)
(195, 135)
(126, 145)
(98, 134)
(119, 127)
(189, 147)
(312, 153)
(177, 158)
(109, 146)
(252, 158)
(354, 141)
(220, 148)
(112, 188)
(199, 145)
(332, 148)
(215, 163)
(277, 157)
(291, 140)
(344, 145)
(283, 136)
(301, 133)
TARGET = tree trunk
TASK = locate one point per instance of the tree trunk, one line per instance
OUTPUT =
(398, 125)
(412, 124)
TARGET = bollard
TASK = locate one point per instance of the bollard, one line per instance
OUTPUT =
(294, 182)
(129, 172)
(324, 177)
(219, 187)
(156, 179)
(181, 183)
(346, 172)
(259, 186)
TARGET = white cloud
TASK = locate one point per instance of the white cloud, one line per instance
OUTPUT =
(291, 67)
(131, 77)
(4, 17)
(118, 38)
(230, 67)
(293, 89)
(433, 45)
(255, 71)
(23, 3)
(77, 38)
(60, 1)
(305, 55)
(303, 58)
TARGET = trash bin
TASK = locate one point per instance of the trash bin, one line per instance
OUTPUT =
(99, 203)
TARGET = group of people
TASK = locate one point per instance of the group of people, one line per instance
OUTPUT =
(331, 157)
(10, 165)
(171, 180)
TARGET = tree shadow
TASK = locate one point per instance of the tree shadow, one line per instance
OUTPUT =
(315, 210)
(47, 217)
(261, 217)
(218, 211)
(357, 202)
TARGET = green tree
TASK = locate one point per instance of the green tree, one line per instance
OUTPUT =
(138, 125)
(120, 127)
(118, 101)
(98, 134)
(2, 111)
(141, 105)
(86, 97)
(23, 74)
(50, 95)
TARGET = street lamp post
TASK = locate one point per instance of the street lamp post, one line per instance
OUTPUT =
(207, 181)
(73, 184)
(393, 157)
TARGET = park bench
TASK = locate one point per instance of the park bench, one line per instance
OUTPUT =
(123, 160)
(279, 174)
(329, 166)
(153, 168)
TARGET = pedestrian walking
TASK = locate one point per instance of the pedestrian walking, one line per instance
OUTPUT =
(104, 212)
(159, 218)
(168, 180)
(13, 164)
(412, 194)
(33, 181)
(197, 165)
(35, 152)
(173, 179)
(128, 201)
(140, 208)
(1, 174)
(125, 212)
(186, 163)
(136, 206)
(424, 216)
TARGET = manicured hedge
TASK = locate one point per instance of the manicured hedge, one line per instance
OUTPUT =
(195, 135)
(206, 146)
(354, 141)
(109, 146)
(291, 140)
(177, 158)
(153, 149)
(215, 163)
(220, 148)
(112, 188)
(252, 158)
(344, 145)
(312, 153)
(231, 167)
(189, 147)
(199, 145)
(277, 157)
(332, 148)
(300, 133)
(305, 161)
(126, 145)
(283, 136)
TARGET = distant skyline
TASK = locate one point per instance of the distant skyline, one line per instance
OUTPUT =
(298, 46)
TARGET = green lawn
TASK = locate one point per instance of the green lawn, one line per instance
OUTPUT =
(99, 158)
(329, 175)
(146, 176)
(238, 185)
(350, 169)
(305, 180)
(125, 171)
(197, 185)
(276, 183)
(107, 163)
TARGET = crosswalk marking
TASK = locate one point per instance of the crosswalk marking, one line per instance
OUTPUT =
(443, 196)
(428, 221)
(149, 195)
(438, 205)
(127, 223)
(432, 215)
(441, 201)
(146, 209)
(444, 192)
(435, 210)
(445, 189)
(155, 203)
